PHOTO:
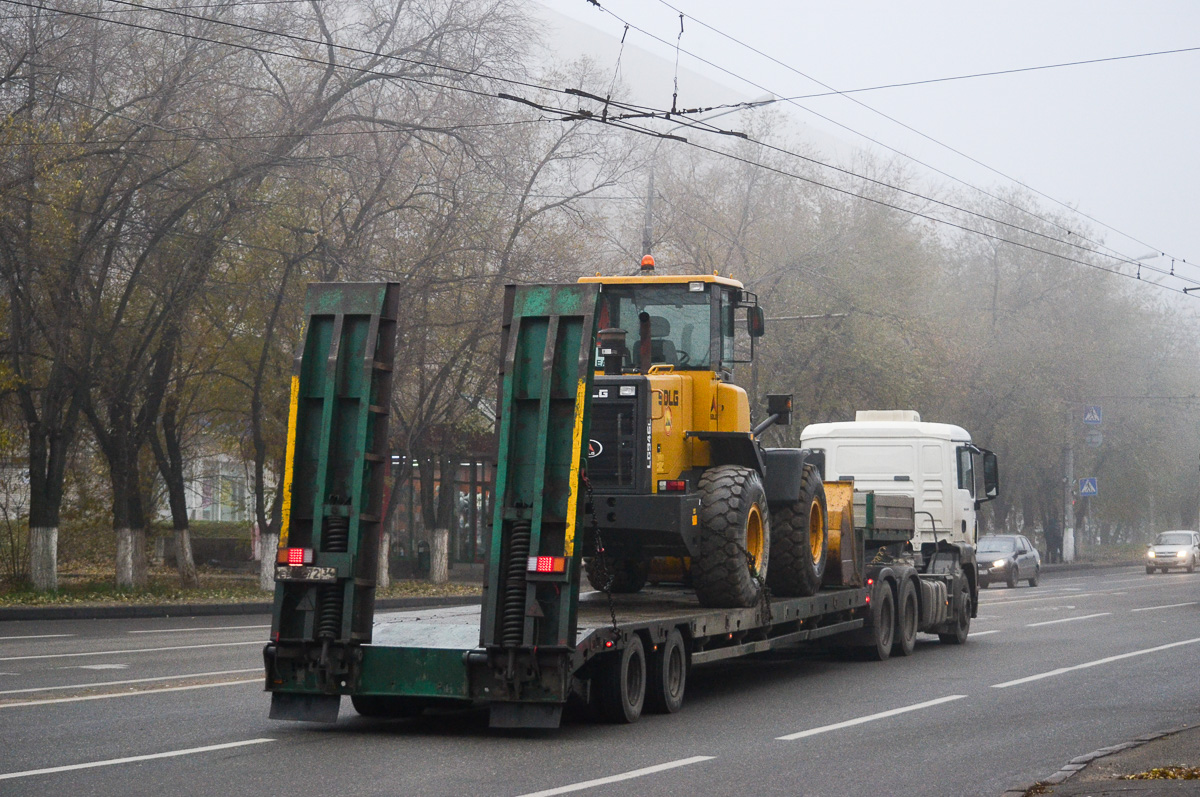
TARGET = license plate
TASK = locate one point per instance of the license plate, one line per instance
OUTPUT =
(326, 574)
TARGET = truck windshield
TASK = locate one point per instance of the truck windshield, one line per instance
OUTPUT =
(679, 322)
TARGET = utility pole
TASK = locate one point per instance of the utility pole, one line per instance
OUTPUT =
(1068, 526)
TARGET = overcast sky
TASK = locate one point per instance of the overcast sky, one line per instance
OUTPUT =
(1118, 140)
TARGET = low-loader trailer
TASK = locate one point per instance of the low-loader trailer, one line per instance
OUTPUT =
(675, 547)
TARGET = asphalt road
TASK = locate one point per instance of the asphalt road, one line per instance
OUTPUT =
(175, 706)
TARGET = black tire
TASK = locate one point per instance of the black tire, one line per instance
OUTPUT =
(733, 521)
(1164, 569)
(667, 677)
(1014, 573)
(1191, 567)
(629, 571)
(388, 706)
(984, 583)
(800, 540)
(883, 624)
(620, 691)
(1037, 577)
(962, 624)
(907, 616)
(1149, 571)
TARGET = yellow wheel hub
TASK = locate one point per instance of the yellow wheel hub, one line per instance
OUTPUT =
(816, 530)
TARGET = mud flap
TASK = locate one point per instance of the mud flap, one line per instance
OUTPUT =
(305, 708)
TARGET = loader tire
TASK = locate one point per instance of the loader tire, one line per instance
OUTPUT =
(627, 569)
(800, 540)
(733, 522)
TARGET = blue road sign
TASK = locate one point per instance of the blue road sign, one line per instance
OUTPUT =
(1088, 487)
(1091, 414)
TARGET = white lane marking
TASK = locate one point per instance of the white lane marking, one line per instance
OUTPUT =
(37, 636)
(985, 633)
(1068, 619)
(1095, 663)
(1072, 589)
(94, 667)
(131, 681)
(131, 759)
(133, 650)
(205, 628)
(870, 718)
(1168, 606)
(637, 773)
(129, 694)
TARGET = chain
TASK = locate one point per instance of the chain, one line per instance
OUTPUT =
(606, 576)
(764, 592)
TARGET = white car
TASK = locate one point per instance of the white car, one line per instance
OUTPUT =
(1173, 549)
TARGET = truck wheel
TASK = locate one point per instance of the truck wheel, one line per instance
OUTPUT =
(733, 520)
(883, 622)
(962, 619)
(393, 707)
(800, 540)
(621, 684)
(628, 571)
(1013, 576)
(668, 675)
(906, 620)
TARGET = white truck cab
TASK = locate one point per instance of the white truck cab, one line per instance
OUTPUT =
(895, 452)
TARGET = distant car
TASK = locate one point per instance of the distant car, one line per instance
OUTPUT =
(1008, 558)
(1179, 548)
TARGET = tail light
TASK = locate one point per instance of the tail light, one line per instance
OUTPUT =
(547, 564)
(672, 486)
(294, 557)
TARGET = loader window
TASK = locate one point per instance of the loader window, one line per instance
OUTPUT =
(678, 324)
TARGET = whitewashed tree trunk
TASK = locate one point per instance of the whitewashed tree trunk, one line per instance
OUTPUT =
(43, 558)
(439, 556)
(269, 543)
(185, 562)
(125, 547)
(382, 577)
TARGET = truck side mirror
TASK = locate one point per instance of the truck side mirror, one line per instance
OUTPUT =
(756, 322)
(991, 476)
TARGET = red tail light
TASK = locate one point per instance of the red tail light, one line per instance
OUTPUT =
(294, 556)
(672, 486)
(547, 564)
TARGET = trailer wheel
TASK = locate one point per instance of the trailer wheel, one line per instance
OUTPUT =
(389, 706)
(906, 620)
(668, 675)
(628, 570)
(962, 620)
(621, 684)
(733, 519)
(800, 540)
(883, 624)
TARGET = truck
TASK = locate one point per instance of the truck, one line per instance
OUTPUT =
(625, 458)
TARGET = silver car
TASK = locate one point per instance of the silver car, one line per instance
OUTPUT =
(1173, 549)
(1008, 558)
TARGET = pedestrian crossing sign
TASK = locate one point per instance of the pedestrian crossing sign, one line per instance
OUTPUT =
(1091, 414)
(1089, 487)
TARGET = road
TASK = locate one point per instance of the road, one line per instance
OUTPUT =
(175, 706)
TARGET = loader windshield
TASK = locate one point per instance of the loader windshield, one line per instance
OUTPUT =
(673, 320)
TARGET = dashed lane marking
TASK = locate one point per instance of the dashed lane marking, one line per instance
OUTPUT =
(1067, 619)
(1168, 606)
(132, 650)
(102, 684)
(869, 718)
(139, 693)
(131, 759)
(637, 773)
(1096, 663)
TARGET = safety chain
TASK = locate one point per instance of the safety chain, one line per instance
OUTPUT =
(606, 575)
(764, 592)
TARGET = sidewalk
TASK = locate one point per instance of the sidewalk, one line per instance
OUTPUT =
(1097, 774)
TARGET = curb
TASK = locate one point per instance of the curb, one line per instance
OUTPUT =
(1079, 763)
(202, 609)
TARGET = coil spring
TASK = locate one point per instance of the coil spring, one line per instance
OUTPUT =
(329, 613)
(512, 625)
(337, 534)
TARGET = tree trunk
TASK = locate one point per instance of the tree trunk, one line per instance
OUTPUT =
(269, 543)
(168, 455)
(43, 558)
(439, 556)
(383, 576)
(184, 561)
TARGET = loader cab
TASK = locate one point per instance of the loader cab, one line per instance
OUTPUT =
(685, 323)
